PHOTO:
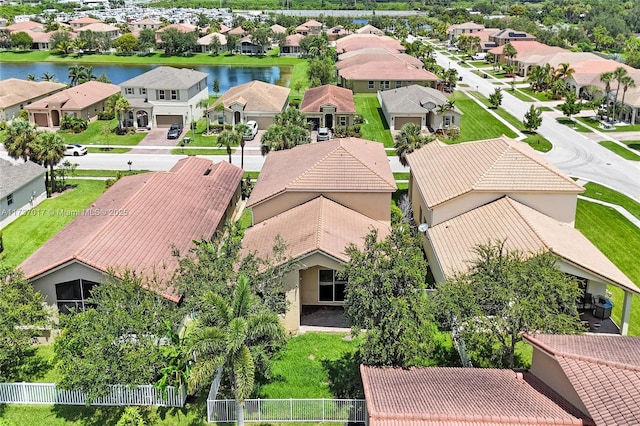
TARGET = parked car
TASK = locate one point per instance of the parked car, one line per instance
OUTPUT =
(324, 134)
(75, 150)
(174, 131)
(251, 132)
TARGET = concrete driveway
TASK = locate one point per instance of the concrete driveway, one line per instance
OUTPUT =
(157, 137)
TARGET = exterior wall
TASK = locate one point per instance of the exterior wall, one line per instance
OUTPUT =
(46, 284)
(547, 369)
(24, 198)
(370, 204)
(264, 119)
(320, 117)
(362, 86)
(291, 319)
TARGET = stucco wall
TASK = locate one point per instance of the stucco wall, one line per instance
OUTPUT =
(24, 199)
(72, 271)
(362, 86)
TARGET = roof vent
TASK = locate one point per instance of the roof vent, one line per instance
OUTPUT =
(207, 172)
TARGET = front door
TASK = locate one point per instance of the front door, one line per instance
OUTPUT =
(236, 117)
(328, 121)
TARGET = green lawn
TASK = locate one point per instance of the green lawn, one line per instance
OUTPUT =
(635, 145)
(591, 121)
(103, 173)
(573, 124)
(600, 192)
(619, 240)
(621, 151)
(201, 151)
(375, 127)
(541, 96)
(101, 133)
(23, 236)
(520, 95)
(476, 122)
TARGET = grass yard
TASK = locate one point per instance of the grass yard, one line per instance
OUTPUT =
(593, 122)
(541, 96)
(480, 64)
(620, 150)
(619, 240)
(635, 145)
(375, 127)
(101, 133)
(600, 192)
(201, 151)
(520, 95)
(103, 173)
(545, 108)
(23, 236)
(476, 122)
(573, 124)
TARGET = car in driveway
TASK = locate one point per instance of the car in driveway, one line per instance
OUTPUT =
(252, 130)
(324, 134)
(75, 150)
(174, 131)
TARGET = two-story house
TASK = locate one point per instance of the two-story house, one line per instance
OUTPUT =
(319, 198)
(500, 189)
(165, 96)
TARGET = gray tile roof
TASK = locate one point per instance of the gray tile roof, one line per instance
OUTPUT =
(166, 77)
(14, 176)
(412, 99)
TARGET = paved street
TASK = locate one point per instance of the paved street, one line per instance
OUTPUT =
(573, 152)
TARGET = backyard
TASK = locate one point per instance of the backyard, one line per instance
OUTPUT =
(375, 127)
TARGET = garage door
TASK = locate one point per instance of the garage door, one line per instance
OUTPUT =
(40, 118)
(168, 120)
(401, 121)
(263, 122)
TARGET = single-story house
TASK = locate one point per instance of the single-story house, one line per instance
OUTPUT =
(278, 29)
(335, 192)
(101, 28)
(369, 29)
(204, 43)
(311, 27)
(362, 41)
(237, 31)
(246, 46)
(255, 100)
(165, 96)
(329, 106)
(291, 45)
(15, 94)
(85, 100)
(137, 224)
(21, 189)
(25, 26)
(423, 106)
(518, 197)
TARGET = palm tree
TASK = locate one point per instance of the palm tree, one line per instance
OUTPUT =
(48, 150)
(121, 106)
(564, 70)
(408, 140)
(19, 138)
(229, 337)
(74, 74)
(627, 82)
(86, 74)
(607, 78)
(618, 75)
(241, 129)
(31, 77)
(47, 76)
(204, 104)
(228, 138)
(272, 139)
(509, 52)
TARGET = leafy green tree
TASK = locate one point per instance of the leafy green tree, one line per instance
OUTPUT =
(408, 140)
(22, 313)
(215, 45)
(495, 98)
(385, 294)
(261, 36)
(290, 129)
(532, 119)
(115, 341)
(86, 74)
(146, 40)
(131, 417)
(321, 71)
(216, 86)
(232, 40)
(21, 40)
(18, 139)
(504, 295)
(48, 149)
(120, 106)
(571, 105)
(175, 42)
(236, 335)
(126, 43)
(60, 42)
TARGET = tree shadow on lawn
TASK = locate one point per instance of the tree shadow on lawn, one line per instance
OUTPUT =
(90, 416)
(635, 146)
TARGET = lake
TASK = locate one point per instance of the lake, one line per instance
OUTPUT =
(227, 76)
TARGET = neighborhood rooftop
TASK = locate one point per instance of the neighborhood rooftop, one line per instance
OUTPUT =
(78, 97)
(166, 78)
(14, 175)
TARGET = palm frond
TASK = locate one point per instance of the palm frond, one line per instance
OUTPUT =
(243, 374)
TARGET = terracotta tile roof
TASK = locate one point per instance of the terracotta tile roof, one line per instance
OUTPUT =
(363, 41)
(14, 91)
(164, 210)
(256, 96)
(501, 164)
(278, 29)
(183, 28)
(603, 370)
(39, 36)
(224, 29)
(164, 77)
(99, 27)
(321, 225)
(376, 54)
(446, 396)
(328, 94)
(85, 20)
(467, 26)
(381, 70)
(206, 40)
(339, 165)
(239, 31)
(524, 229)
(370, 29)
(293, 40)
(26, 25)
(148, 21)
(529, 47)
(78, 97)
(310, 23)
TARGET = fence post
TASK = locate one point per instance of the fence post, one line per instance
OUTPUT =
(291, 408)
(260, 409)
(323, 409)
(24, 392)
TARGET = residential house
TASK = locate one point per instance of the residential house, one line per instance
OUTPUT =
(21, 189)
(85, 100)
(237, 31)
(146, 24)
(311, 27)
(518, 197)
(15, 94)
(204, 43)
(483, 35)
(363, 41)
(137, 224)
(336, 32)
(101, 28)
(35, 30)
(165, 96)
(466, 28)
(183, 28)
(335, 193)
(82, 22)
(25, 26)
(255, 100)
(291, 46)
(246, 46)
(372, 69)
(425, 107)
(329, 106)
(509, 35)
(529, 54)
(278, 29)
(370, 29)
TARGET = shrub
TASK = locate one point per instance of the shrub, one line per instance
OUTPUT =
(216, 128)
(106, 115)
(228, 127)
(358, 119)
(75, 124)
(294, 103)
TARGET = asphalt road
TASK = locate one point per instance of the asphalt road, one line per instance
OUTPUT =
(573, 153)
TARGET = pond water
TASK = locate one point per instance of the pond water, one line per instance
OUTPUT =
(227, 76)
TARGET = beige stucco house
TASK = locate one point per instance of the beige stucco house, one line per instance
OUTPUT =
(319, 198)
(138, 223)
(311, 27)
(466, 28)
(15, 94)
(255, 100)
(165, 96)
(501, 190)
(85, 100)
(329, 106)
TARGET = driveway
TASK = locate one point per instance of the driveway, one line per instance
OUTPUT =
(157, 137)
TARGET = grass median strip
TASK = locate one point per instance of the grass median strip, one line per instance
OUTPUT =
(620, 150)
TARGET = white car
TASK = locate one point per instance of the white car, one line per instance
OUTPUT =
(75, 150)
(251, 132)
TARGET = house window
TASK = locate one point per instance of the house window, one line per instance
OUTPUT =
(9, 199)
(160, 94)
(72, 296)
(342, 120)
(128, 91)
(385, 84)
(398, 84)
(330, 288)
(175, 95)
(143, 91)
(371, 85)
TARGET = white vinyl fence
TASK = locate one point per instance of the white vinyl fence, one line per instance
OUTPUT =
(48, 393)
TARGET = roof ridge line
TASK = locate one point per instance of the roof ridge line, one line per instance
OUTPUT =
(319, 225)
(599, 361)
(365, 164)
(526, 220)
(299, 177)
(485, 173)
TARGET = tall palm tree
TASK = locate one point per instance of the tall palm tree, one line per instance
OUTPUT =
(627, 82)
(241, 129)
(19, 138)
(607, 78)
(74, 74)
(48, 150)
(86, 74)
(47, 76)
(272, 139)
(509, 52)
(228, 138)
(564, 70)
(121, 106)
(204, 104)
(618, 75)
(230, 337)
(31, 77)
(408, 140)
